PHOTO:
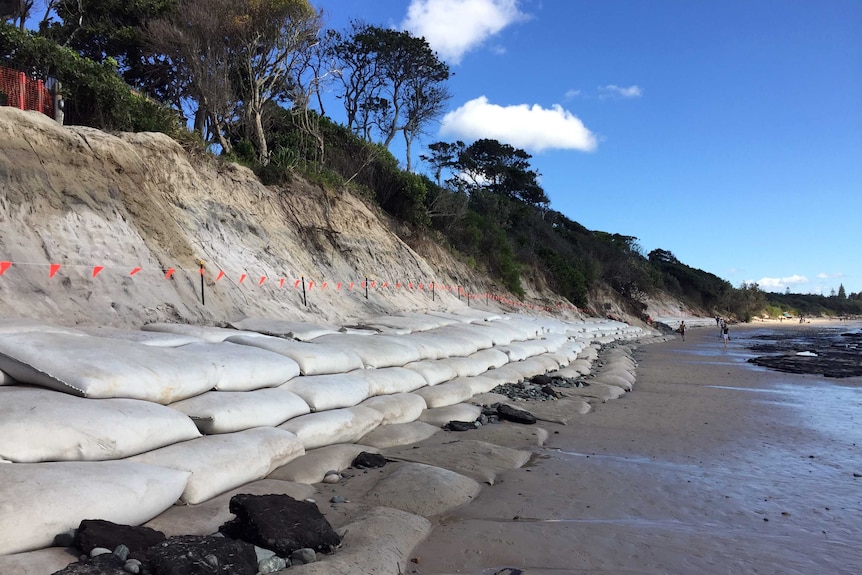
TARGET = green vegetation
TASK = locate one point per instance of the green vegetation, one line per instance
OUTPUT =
(254, 97)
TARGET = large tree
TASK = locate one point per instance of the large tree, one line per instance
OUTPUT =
(501, 169)
(392, 82)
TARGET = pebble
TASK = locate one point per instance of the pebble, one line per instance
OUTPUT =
(303, 556)
(122, 552)
(331, 478)
(96, 551)
(337, 499)
(271, 565)
(132, 566)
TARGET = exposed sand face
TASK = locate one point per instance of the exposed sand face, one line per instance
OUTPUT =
(709, 466)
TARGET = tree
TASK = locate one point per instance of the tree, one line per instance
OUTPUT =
(502, 170)
(392, 82)
(841, 293)
(443, 155)
(15, 10)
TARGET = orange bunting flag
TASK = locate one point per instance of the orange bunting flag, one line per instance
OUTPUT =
(411, 285)
(169, 273)
(97, 269)
(242, 278)
(134, 271)
(373, 283)
(398, 285)
(296, 284)
(338, 286)
(385, 284)
(351, 286)
(310, 285)
(53, 271)
(323, 286)
(203, 270)
(4, 266)
(220, 275)
(262, 279)
(281, 283)
(421, 286)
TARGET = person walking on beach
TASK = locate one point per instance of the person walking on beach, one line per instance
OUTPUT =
(725, 333)
(681, 330)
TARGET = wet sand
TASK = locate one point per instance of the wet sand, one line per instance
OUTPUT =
(711, 465)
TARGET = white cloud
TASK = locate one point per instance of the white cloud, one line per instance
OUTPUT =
(614, 91)
(825, 276)
(454, 27)
(571, 94)
(772, 283)
(532, 128)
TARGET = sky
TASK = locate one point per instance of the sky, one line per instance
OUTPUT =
(728, 133)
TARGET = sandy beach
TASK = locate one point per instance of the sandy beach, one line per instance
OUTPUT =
(711, 465)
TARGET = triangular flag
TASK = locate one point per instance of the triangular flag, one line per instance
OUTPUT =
(262, 279)
(281, 283)
(169, 273)
(97, 269)
(134, 271)
(53, 271)
(4, 266)
(242, 278)
(220, 275)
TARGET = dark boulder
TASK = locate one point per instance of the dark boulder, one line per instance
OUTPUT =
(202, 555)
(107, 564)
(515, 415)
(100, 533)
(366, 460)
(459, 426)
(280, 523)
(542, 380)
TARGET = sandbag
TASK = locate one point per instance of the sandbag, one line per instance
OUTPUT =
(9, 325)
(41, 500)
(99, 367)
(345, 425)
(399, 434)
(476, 459)
(402, 321)
(554, 342)
(205, 518)
(221, 462)
(466, 366)
(397, 407)
(484, 399)
(448, 346)
(441, 489)
(6, 379)
(312, 358)
(459, 412)
(153, 338)
(312, 467)
(612, 380)
(300, 330)
(44, 425)
(228, 411)
(547, 361)
(323, 392)
(388, 380)
(202, 332)
(244, 368)
(39, 562)
(560, 411)
(445, 394)
(491, 358)
(500, 332)
(506, 374)
(433, 371)
(478, 383)
(478, 338)
(378, 542)
(374, 351)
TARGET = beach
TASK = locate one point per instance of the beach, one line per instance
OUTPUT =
(710, 465)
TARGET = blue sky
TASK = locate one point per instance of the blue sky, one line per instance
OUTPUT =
(728, 132)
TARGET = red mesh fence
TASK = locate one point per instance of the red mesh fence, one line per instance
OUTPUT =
(21, 91)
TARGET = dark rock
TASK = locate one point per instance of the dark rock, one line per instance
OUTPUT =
(202, 555)
(107, 564)
(280, 523)
(303, 556)
(366, 460)
(459, 426)
(547, 390)
(542, 380)
(515, 415)
(100, 533)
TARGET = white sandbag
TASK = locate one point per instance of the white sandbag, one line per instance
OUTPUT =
(613, 380)
(374, 351)
(478, 383)
(441, 489)
(525, 349)
(561, 359)
(595, 390)
(312, 467)
(100, 367)
(506, 374)
(547, 361)
(153, 338)
(303, 331)
(6, 379)
(431, 320)
(445, 394)
(491, 358)
(322, 392)
(244, 368)
(398, 407)
(478, 337)
(399, 434)
(582, 366)
(388, 380)
(312, 358)
(44, 425)
(458, 412)
(221, 462)
(433, 371)
(345, 425)
(528, 368)
(515, 351)
(25, 325)
(466, 366)
(425, 347)
(228, 411)
(41, 500)
(528, 326)
(554, 342)
(404, 322)
(484, 399)
(435, 347)
(620, 372)
(571, 371)
(39, 562)
(500, 332)
(202, 332)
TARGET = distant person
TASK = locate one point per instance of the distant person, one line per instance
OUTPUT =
(725, 334)
(681, 330)
(717, 322)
